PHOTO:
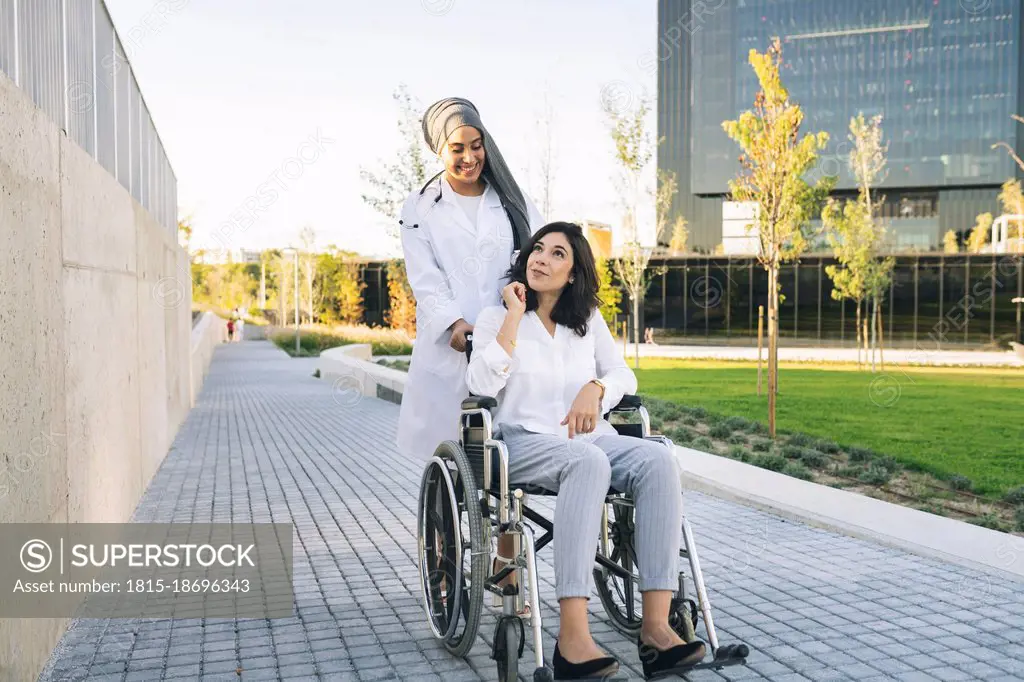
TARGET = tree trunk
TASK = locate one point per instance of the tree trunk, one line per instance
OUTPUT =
(263, 284)
(874, 330)
(773, 347)
(864, 324)
(636, 331)
(858, 335)
(881, 343)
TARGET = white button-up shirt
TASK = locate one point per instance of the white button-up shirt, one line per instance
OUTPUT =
(537, 385)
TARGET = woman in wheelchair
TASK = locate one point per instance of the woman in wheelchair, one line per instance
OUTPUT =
(548, 357)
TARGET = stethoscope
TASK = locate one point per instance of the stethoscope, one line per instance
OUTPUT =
(516, 246)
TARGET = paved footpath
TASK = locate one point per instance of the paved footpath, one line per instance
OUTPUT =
(268, 442)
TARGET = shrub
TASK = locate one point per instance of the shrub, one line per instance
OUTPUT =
(738, 439)
(770, 462)
(989, 520)
(792, 452)
(720, 431)
(797, 470)
(861, 455)
(656, 424)
(875, 475)
(1018, 517)
(703, 443)
(758, 428)
(813, 458)
(699, 412)
(673, 413)
(889, 464)
(826, 446)
(801, 439)
(739, 452)
(681, 435)
(762, 445)
(737, 423)
(850, 472)
(932, 509)
(959, 482)
(690, 421)
(1015, 495)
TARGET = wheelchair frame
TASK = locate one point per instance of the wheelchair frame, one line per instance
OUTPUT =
(475, 458)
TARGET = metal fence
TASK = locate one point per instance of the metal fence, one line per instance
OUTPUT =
(933, 301)
(66, 55)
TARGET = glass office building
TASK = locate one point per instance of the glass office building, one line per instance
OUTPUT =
(944, 74)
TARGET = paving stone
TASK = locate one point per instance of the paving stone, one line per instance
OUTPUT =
(267, 442)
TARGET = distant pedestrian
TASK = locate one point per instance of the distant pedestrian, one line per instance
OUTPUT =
(231, 330)
(240, 328)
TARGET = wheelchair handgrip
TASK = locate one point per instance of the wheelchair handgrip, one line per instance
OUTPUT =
(469, 346)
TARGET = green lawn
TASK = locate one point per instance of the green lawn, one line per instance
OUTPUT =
(946, 421)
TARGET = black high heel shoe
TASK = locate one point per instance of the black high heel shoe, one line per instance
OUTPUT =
(595, 668)
(673, 661)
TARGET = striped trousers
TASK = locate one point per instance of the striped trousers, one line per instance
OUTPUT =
(581, 471)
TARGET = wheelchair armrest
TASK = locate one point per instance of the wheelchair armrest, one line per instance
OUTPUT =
(479, 402)
(628, 402)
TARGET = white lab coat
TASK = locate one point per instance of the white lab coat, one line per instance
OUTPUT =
(455, 272)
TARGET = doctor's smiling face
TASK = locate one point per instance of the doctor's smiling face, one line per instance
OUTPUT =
(463, 156)
(550, 264)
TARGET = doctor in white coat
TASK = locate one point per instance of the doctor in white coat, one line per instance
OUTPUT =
(459, 233)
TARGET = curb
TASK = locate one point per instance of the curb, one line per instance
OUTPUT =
(854, 515)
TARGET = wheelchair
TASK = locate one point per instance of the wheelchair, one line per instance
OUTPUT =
(466, 503)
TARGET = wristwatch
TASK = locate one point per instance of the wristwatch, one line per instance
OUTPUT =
(600, 384)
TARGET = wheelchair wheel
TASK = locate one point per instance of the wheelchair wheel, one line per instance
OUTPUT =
(452, 550)
(508, 647)
(620, 595)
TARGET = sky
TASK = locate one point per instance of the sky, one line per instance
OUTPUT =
(236, 88)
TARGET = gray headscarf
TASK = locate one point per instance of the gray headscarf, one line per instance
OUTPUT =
(441, 119)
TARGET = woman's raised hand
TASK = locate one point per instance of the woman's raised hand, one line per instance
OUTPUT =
(514, 295)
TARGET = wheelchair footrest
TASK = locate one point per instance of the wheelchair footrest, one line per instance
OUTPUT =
(730, 654)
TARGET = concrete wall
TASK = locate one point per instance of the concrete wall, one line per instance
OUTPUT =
(207, 333)
(353, 375)
(94, 345)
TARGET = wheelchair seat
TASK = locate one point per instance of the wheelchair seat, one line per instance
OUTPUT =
(629, 403)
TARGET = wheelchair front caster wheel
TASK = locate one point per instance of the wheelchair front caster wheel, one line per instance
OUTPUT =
(508, 647)
(543, 675)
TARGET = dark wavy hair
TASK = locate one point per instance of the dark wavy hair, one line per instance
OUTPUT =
(577, 302)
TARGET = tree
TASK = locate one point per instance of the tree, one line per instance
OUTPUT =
(633, 151)
(185, 231)
(609, 294)
(284, 272)
(849, 228)
(867, 162)
(979, 234)
(544, 176)
(350, 286)
(307, 263)
(663, 196)
(774, 161)
(391, 186)
(1012, 199)
(402, 311)
(950, 244)
(680, 236)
